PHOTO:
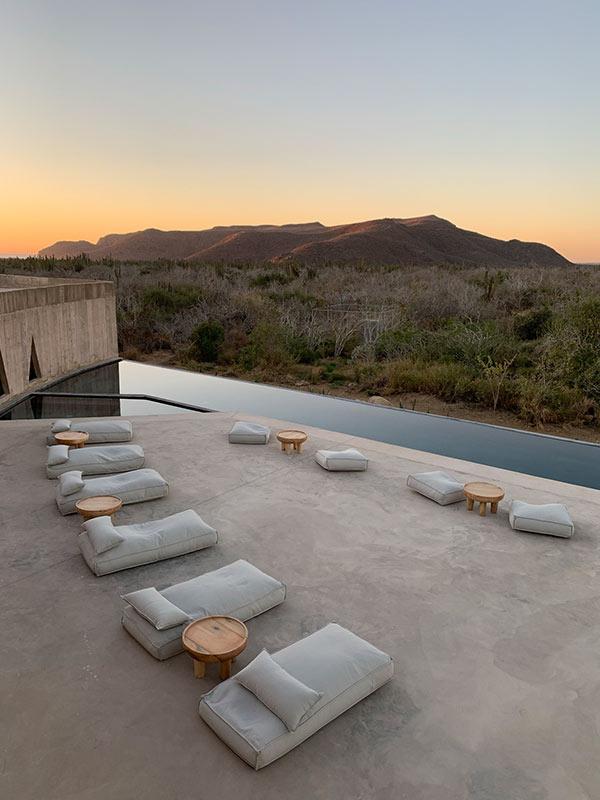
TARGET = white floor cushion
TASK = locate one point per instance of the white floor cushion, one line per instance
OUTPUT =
(145, 542)
(334, 662)
(238, 590)
(112, 429)
(349, 460)
(437, 486)
(131, 487)
(552, 519)
(101, 460)
(249, 433)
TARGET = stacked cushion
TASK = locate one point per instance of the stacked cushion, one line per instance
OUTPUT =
(100, 430)
(349, 460)
(437, 486)
(131, 487)
(237, 590)
(552, 519)
(142, 543)
(249, 433)
(93, 460)
(332, 662)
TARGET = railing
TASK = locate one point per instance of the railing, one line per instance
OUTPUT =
(115, 396)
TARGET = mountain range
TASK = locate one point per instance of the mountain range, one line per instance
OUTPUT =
(412, 241)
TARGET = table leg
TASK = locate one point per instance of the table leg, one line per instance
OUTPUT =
(469, 504)
(199, 668)
(482, 509)
(494, 508)
(225, 670)
(298, 447)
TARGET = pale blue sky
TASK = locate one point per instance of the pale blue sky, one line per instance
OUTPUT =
(120, 116)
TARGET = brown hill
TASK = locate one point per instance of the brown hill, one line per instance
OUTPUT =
(417, 240)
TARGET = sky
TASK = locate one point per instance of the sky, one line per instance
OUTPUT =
(119, 116)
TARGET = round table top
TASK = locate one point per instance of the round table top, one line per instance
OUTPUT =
(484, 492)
(99, 505)
(215, 638)
(71, 437)
(291, 436)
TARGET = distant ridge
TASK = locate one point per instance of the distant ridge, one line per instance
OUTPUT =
(411, 241)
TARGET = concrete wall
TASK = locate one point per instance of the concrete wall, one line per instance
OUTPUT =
(71, 323)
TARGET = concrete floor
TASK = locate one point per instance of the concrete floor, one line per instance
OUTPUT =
(495, 634)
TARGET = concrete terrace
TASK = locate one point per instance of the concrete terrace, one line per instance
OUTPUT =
(495, 634)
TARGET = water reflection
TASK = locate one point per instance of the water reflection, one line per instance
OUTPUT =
(101, 380)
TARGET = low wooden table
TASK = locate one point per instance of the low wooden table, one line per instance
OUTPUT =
(214, 639)
(72, 438)
(98, 506)
(483, 493)
(293, 439)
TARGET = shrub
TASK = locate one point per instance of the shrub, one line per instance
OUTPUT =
(267, 278)
(573, 347)
(451, 382)
(397, 343)
(300, 350)
(235, 340)
(468, 343)
(206, 340)
(539, 403)
(168, 300)
(266, 348)
(532, 324)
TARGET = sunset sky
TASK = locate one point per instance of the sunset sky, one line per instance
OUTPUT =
(117, 116)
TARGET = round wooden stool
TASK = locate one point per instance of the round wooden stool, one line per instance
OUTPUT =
(72, 438)
(292, 439)
(214, 639)
(98, 506)
(483, 493)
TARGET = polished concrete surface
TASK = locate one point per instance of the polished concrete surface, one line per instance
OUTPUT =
(495, 634)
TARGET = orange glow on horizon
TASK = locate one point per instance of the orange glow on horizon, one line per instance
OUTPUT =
(42, 205)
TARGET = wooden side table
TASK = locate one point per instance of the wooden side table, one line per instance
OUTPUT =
(483, 493)
(98, 506)
(292, 439)
(72, 438)
(214, 639)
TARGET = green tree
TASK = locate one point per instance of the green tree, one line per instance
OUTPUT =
(207, 338)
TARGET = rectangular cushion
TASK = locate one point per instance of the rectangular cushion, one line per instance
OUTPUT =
(333, 661)
(101, 460)
(148, 542)
(552, 519)
(131, 487)
(437, 486)
(349, 460)
(112, 429)
(249, 433)
(238, 590)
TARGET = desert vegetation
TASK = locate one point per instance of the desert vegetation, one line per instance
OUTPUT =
(522, 340)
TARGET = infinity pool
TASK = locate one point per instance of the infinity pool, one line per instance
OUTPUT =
(521, 451)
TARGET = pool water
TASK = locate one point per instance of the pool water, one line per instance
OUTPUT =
(535, 454)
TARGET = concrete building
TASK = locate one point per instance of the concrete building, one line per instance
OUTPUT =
(50, 327)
